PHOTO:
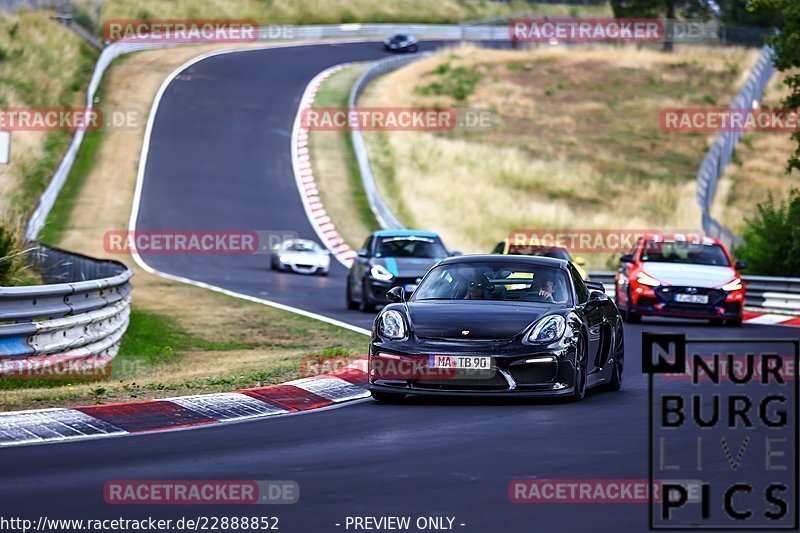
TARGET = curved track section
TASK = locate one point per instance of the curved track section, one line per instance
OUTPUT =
(220, 159)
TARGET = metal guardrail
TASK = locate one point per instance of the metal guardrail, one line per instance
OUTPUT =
(722, 148)
(79, 317)
(380, 209)
(774, 295)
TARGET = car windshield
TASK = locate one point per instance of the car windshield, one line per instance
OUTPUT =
(521, 249)
(399, 38)
(423, 247)
(495, 281)
(301, 246)
(684, 252)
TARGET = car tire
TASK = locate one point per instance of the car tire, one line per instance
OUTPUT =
(387, 397)
(579, 392)
(351, 305)
(619, 362)
(735, 322)
(716, 322)
(631, 317)
(365, 305)
(413, 48)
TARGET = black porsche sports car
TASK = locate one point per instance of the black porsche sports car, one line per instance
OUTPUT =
(497, 325)
(401, 43)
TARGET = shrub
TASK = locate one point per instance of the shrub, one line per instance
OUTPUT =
(14, 268)
(772, 238)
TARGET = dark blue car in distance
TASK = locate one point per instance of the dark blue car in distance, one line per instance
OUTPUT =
(391, 258)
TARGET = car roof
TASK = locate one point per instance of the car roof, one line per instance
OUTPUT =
(541, 247)
(404, 233)
(670, 237)
(512, 259)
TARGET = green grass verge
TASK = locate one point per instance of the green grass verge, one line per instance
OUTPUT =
(335, 92)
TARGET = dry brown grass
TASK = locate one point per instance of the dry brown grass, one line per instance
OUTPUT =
(42, 64)
(276, 340)
(577, 142)
(758, 168)
(332, 11)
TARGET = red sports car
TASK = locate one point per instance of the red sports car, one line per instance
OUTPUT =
(669, 276)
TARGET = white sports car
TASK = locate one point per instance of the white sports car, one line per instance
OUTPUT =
(301, 256)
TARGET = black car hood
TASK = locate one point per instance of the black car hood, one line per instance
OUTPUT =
(406, 267)
(446, 319)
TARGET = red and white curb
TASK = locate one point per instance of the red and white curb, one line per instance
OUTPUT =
(771, 319)
(58, 425)
(304, 175)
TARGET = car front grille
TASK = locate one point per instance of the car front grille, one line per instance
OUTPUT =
(460, 382)
(534, 374)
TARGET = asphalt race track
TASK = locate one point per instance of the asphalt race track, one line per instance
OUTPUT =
(220, 160)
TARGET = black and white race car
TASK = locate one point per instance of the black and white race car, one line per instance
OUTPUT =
(300, 256)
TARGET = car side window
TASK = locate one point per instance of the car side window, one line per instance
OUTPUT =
(368, 245)
(580, 288)
(499, 248)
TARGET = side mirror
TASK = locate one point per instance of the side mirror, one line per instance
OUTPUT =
(597, 297)
(454, 253)
(396, 295)
(739, 265)
(580, 261)
(626, 258)
(362, 253)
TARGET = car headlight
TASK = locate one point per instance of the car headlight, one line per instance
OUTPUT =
(733, 285)
(380, 273)
(392, 325)
(645, 279)
(548, 329)
(284, 259)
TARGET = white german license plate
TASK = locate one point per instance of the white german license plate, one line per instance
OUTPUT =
(691, 298)
(460, 362)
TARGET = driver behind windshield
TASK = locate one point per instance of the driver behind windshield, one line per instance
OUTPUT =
(550, 290)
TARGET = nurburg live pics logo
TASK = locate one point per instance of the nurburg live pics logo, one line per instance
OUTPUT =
(735, 434)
